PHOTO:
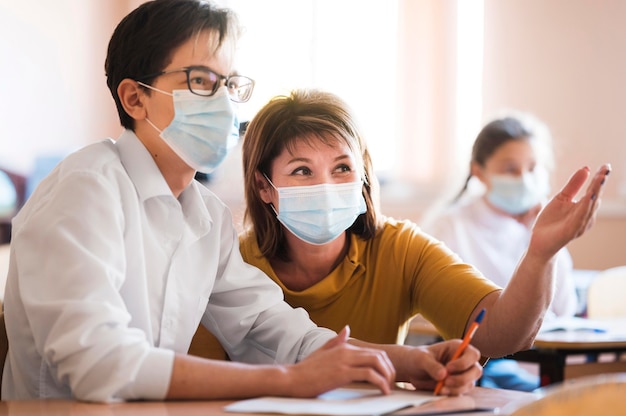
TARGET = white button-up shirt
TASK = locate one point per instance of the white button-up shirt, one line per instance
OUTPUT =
(110, 275)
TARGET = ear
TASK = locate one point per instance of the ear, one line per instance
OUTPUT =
(477, 171)
(131, 97)
(265, 189)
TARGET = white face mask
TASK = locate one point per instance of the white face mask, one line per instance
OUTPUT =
(203, 130)
(318, 214)
(516, 194)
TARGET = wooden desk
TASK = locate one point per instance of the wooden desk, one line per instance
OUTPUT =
(551, 351)
(479, 397)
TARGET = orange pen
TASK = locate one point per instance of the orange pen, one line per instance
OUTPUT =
(466, 340)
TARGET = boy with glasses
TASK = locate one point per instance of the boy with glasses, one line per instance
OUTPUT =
(119, 254)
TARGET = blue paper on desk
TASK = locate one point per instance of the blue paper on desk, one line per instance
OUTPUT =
(573, 323)
(342, 401)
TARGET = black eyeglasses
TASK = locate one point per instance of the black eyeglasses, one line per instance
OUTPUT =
(203, 81)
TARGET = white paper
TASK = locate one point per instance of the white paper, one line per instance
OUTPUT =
(342, 401)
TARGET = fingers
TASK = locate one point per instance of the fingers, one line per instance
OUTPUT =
(374, 366)
(596, 187)
(578, 179)
(459, 375)
(460, 383)
(354, 363)
(341, 338)
(583, 211)
(470, 356)
(594, 194)
(368, 365)
(575, 183)
(594, 190)
(373, 377)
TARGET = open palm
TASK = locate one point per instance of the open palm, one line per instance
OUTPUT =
(564, 218)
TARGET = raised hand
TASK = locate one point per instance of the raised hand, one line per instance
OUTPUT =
(564, 218)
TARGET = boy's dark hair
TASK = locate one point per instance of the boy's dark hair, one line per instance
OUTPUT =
(143, 42)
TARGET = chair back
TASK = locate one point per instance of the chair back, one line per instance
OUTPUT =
(5, 253)
(606, 295)
(4, 347)
(205, 345)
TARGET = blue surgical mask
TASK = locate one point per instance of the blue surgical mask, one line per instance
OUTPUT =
(516, 194)
(203, 130)
(318, 214)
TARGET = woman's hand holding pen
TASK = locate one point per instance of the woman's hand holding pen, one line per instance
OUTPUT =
(454, 362)
(433, 363)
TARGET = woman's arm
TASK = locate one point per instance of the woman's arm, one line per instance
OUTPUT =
(515, 314)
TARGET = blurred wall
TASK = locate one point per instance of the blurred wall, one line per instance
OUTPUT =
(563, 60)
(53, 94)
(566, 62)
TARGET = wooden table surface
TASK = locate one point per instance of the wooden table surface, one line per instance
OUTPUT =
(479, 397)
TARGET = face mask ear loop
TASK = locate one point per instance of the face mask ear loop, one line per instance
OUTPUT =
(150, 87)
(153, 126)
(270, 182)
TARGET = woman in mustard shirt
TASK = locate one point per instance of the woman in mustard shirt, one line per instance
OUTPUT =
(314, 226)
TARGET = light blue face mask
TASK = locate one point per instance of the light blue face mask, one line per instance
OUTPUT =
(318, 214)
(516, 194)
(203, 130)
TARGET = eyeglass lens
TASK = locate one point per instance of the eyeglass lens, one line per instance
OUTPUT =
(205, 82)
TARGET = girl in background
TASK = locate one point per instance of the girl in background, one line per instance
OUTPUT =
(491, 228)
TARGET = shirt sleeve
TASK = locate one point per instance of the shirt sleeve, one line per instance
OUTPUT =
(69, 253)
(249, 316)
(444, 289)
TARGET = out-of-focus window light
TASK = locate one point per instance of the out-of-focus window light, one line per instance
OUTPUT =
(348, 47)
(469, 72)
(351, 48)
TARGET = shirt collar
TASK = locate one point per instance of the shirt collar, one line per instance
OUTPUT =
(140, 166)
(150, 183)
(194, 205)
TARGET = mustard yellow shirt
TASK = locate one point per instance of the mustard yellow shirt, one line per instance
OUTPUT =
(383, 282)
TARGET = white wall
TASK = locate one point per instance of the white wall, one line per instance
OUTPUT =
(564, 60)
(53, 96)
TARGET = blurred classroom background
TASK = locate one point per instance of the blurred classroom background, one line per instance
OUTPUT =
(422, 76)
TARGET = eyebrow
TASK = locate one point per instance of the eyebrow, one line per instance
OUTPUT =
(307, 160)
